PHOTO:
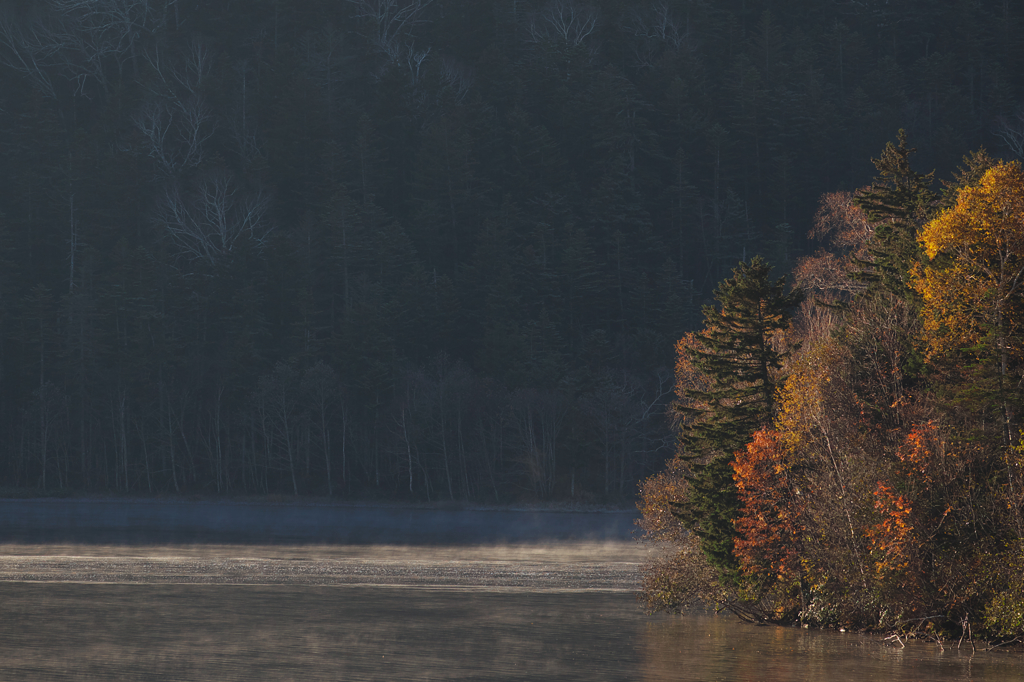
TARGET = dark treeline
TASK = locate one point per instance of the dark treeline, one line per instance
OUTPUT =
(436, 249)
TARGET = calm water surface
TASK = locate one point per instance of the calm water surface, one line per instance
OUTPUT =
(512, 613)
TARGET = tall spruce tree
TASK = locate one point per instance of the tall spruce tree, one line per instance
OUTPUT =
(741, 361)
(898, 202)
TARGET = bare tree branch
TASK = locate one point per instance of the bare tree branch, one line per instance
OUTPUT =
(215, 218)
(390, 21)
(657, 24)
(75, 38)
(1010, 129)
(197, 65)
(176, 133)
(27, 45)
(564, 21)
(457, 77)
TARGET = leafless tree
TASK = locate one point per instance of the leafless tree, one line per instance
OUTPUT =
(656, 23)
(1010, 129)
(180, 73)
(175, 132)
(654, 28)
(216, 217)
(89, 33)
(564, 21)
(390, 21)
(52, 408)
(324, 58)
(27, 46)
(538, 416)
(77, 39)
(414, 60)
(242, 127)
(321, 390)
(276, 403)
(195, 67)
(456, 77)
(123, 20)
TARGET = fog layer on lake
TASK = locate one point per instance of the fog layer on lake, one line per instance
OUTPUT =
(563, 607)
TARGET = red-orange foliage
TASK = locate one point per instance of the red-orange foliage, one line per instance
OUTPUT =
(892, 539)
(919, 452)
(771, 521)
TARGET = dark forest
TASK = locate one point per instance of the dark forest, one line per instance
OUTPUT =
(427, 250)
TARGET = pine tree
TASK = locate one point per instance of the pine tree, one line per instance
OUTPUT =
(740, 358)
(897, 204)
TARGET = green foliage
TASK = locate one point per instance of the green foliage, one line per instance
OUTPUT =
(740, 355)
(896, 204)
(885, 489)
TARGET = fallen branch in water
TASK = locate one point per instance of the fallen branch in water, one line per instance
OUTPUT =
(897, 638)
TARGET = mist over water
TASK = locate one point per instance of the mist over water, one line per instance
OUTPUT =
(545, 609)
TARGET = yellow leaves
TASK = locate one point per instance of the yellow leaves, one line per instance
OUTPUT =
(989, 215)
(977, 247)
(953, 298)
(801, 399)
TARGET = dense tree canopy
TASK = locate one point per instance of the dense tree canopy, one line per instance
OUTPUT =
(882, 493)
(423, 248)
(738, 353)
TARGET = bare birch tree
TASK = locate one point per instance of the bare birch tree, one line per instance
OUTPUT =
(390, 22)
(563, 21)
(1010, 129)
(215, 217)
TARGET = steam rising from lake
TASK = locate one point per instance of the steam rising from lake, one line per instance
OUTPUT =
(159, 591)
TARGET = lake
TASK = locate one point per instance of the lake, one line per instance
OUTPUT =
(541, 609)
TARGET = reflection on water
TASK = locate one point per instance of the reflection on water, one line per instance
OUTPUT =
(719, 648)
(196, 618)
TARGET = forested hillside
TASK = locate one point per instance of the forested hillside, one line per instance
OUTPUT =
(433, 249)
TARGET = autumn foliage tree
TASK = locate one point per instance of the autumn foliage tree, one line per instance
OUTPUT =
(884, 486)
(771, 524)
(740, 354)
(972, 289)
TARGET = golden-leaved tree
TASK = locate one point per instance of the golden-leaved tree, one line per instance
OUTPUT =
(884, 488)
(972, 288)
(972, 292)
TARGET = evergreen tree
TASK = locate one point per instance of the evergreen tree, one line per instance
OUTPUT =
(740, 357)
(898, 202)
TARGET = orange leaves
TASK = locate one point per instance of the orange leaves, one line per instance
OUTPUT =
(892, 539)
(920, 450)
(771, 519)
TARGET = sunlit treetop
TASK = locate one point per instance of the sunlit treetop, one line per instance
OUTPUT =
(986, 225)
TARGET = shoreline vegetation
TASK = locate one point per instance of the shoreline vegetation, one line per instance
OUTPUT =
(850, 450)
